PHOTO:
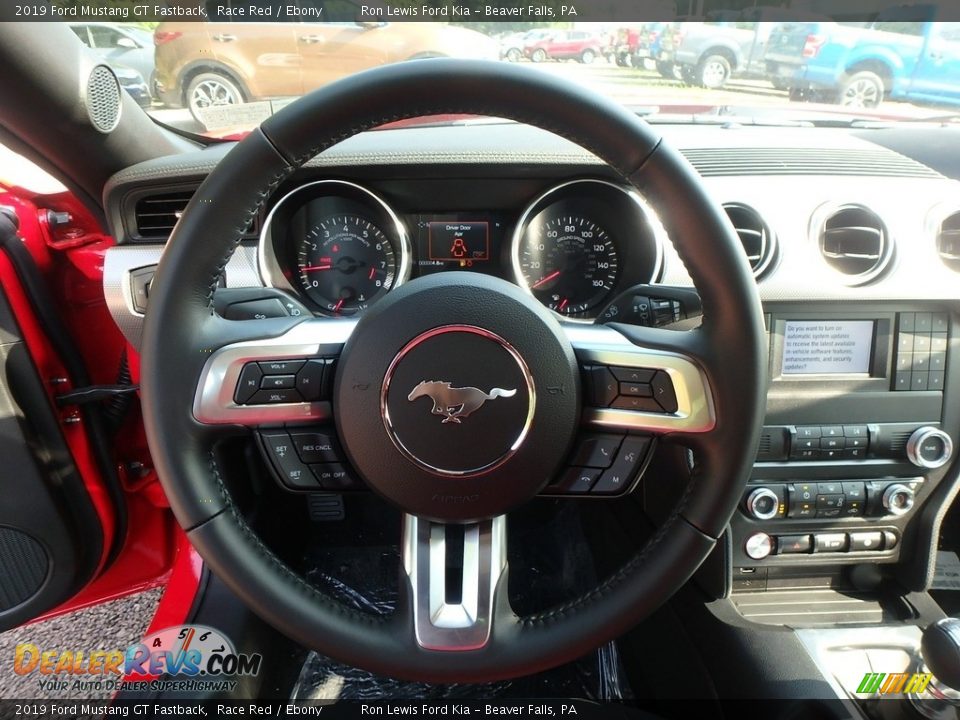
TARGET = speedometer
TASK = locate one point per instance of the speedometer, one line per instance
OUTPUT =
(346, 262)
(569, 263)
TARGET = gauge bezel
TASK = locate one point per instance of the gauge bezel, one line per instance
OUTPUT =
(645, 215)
(269, 264)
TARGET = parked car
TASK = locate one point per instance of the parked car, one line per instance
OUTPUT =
(709, 53)
(126, 46)
(904, 55)
(200, 64)
(134, 83)
(581, 45)
(512, 44)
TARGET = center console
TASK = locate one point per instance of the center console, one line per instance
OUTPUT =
(857, 439)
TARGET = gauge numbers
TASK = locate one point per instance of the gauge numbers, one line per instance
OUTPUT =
(569, 263)
(345, 262)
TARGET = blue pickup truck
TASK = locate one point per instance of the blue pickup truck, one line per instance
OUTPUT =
(906, 54)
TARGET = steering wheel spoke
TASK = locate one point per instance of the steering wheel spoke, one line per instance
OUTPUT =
(271, 378)
(658, 387)
(454, 572)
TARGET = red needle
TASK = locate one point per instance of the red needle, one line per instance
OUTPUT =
(548, 278)
(336, 308)
(317, 267)
(562, 305)
(373, 271)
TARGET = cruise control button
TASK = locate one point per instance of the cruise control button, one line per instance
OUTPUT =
(281, 367)
(831, 542)
(618, 477)
(291, 470)
(269, 397)
(314, 447)
(663, 391)
(310, 380)
(334, 476)
(790, 544)
(597, 451)
(248, 383)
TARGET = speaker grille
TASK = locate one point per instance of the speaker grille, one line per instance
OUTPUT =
(23, 567)
(103, 99)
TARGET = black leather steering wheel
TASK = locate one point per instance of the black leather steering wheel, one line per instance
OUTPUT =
(192, 358)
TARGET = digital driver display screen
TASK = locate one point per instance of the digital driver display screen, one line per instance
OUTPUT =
(827, 347)
(459, 241)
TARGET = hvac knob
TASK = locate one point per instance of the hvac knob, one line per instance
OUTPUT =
(897, 499)
(763, 504)
(929, 447)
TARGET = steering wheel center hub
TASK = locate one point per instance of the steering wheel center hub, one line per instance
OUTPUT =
(458, 400)
(457, 397)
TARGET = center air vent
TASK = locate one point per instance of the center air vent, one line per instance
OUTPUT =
(757, 239)
(155, 215)
(854, 241)
(948, 242)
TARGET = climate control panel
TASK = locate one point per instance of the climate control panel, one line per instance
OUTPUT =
(836, 499)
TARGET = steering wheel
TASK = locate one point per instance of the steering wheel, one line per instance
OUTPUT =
(480, 335)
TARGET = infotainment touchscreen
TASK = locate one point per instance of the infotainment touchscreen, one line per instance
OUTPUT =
(827, 347)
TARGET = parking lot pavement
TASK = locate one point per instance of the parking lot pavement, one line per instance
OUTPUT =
(113, 625)
(635, 87)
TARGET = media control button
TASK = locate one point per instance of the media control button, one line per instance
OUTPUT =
(277, 382)
(281, 367)
(310, 380)
(248, 383)
(270, 397)
(831, 431)
(806, 432)
(618, 476)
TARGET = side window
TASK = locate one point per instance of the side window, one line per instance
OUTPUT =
(903, 28)
(81, 32)
(950, 32)
(103, 37)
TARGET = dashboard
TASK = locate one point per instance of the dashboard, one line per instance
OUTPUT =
(854, 243)
(339, 246)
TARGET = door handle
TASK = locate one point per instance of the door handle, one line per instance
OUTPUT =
(224, 37)
(311, 39)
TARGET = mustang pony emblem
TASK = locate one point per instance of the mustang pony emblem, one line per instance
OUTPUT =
(455, 403)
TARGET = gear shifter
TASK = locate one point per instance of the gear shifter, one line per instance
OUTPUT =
(940, 647)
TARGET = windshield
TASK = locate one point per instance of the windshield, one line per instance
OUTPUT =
(221, 75)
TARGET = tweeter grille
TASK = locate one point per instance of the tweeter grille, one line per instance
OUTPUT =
(23, 567)
(103, 98)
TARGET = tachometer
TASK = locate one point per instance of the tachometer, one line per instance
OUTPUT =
(569, 263)
(346, 262)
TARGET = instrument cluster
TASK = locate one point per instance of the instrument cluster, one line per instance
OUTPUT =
(340, 247)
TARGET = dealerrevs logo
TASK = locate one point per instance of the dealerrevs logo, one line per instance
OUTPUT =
(189, 657)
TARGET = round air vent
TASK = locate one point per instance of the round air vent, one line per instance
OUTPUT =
(758, 240)
(854, 241)
(103, 98)
(948, 241)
